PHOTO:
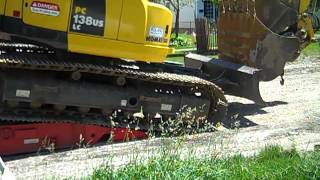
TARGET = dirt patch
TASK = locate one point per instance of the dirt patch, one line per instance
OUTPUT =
(292, 118)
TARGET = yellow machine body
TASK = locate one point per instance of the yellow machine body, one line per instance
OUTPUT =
(128, 29)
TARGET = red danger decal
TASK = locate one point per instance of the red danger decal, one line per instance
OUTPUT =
(45, 8)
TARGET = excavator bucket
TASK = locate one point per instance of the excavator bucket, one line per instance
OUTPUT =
(259, 34)
(255, 40)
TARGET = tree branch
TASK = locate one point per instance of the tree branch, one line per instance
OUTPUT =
(174, 5)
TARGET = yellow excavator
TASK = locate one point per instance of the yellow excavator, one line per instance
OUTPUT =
(98, 63)
(102, 62)
(136, 30)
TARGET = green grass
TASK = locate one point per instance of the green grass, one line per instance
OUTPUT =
(183, 35)
(189, 39)
(312, 50)
(271, 163)
(176, 59)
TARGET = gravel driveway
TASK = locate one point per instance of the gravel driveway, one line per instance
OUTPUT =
(291, 119)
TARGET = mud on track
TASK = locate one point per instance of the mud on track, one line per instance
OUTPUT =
(292, 118)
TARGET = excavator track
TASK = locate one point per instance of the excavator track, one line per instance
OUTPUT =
(36, 58)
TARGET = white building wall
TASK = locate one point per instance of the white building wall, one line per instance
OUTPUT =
(186, 17)
(188, 14)
(199, 8)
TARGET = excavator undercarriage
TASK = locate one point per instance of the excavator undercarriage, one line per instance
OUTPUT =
(78, 89)
(37, 87)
